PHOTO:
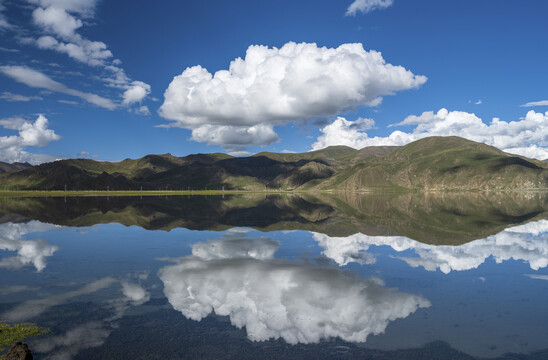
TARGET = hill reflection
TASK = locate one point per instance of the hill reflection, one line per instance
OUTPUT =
(432, 218)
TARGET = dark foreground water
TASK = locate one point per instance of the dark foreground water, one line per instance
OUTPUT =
(412, 276)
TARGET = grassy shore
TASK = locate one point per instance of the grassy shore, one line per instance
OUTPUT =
(11, 333)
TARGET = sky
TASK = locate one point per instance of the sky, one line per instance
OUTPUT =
(107, 81)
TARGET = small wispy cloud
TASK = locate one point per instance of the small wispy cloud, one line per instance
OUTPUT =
(538, 277)
(366, 6)
(70, 102)
(143, 110)
(8, 50)
(4, 23)
(11, 97)
(36, 79)
(536, 103)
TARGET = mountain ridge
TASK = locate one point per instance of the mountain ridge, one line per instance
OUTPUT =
(433, 163)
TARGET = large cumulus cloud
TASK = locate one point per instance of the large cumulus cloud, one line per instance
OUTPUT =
(275, 299)
(527, 136)
(273, 86)
(527, 242)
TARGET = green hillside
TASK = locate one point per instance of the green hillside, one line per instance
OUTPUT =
(442, 163)
(434, 163)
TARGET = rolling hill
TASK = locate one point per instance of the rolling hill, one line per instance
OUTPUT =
(435, 163)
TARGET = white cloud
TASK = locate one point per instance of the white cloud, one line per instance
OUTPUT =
(527, 242)
(272, 299)
(527, 137)
(34, 133)
(85, 8)
(4, 23)
(242, 153)
(536, 103)
(344, 132)
(59, 18)
(60, 21)
(143, 110)
(9, 50)
(538, 277)
(137, 91)
(29, 252)
(11, 97)
(92, 53)
(70, 102)
(235, 137)
(36, 79)
(272, 86)
(57, 21)
(12, 123)
(366, 6)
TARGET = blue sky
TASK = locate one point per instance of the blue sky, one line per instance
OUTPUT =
(101, 79)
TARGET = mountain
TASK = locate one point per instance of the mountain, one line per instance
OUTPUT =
(441, 163)
(16, 166)
(434, 163)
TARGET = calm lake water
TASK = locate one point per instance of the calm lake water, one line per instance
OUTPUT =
(384, 276)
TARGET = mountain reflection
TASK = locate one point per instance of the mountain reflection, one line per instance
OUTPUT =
(433, 218)
(528, 242)
(28, 252)
(300, 303)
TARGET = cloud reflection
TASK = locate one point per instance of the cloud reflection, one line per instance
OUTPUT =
(29, 252)
(273, 299)
(528, 242)
(82, 336)
(35, 307)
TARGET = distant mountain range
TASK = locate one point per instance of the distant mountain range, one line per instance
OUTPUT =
(434, 163)
(5, 167)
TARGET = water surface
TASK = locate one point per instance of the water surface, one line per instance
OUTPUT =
(398, 276)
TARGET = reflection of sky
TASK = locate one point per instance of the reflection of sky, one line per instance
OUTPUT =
(282, 285)
(273, 299)
(29, 252)
(527, 242)
(81, 336)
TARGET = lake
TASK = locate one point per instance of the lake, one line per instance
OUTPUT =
(266, 276)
